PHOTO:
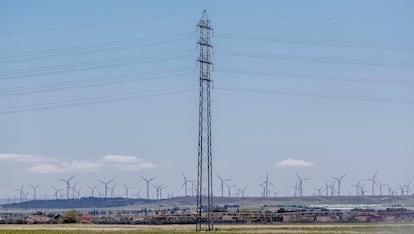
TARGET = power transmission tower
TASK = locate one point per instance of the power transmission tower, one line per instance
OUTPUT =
(204, 172)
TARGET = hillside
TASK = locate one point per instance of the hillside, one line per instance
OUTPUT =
(249, 202)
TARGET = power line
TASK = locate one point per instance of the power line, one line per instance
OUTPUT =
(87, 83)
(313, 59)
(96, 100)
(313, 41)
(311, 18)
(91, 25)
(94, 48)
(97, 64)
(303, 76)
(328, 96)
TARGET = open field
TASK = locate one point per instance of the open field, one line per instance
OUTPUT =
(271, 228)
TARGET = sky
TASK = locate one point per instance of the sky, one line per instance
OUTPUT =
(108, 89)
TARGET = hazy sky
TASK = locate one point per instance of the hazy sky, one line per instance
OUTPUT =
(108, 89)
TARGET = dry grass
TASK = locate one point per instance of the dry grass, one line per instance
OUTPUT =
(239, 228)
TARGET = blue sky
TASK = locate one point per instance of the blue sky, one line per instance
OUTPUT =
(326, 83)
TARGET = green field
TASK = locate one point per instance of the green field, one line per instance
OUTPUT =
(271, 228)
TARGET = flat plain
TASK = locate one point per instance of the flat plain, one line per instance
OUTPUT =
(219, 228)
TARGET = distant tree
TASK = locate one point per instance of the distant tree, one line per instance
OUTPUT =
(71, 216)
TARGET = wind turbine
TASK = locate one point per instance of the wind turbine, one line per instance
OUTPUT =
(381, 185)
(184, 184)
(263, 192)
(242, 191)
(295, 190)
(332, 186)
(407, 187)
(373, 181)
(148, 182)
(300, 185)
(229, 188)
(56, 191)
(319, 190)
(74, 190)
(390, 191)
(137, 194)
(192, 186)
(402, 189)
(8, 197)
(363, 190)
(339, 180)
(326, 188)
(21, 192)
(77, 191)
(67, 185)
(127, 190)
(161, 187)
(25, 195)
(266, 184)
(34, 187)
(92, 188)
(105, 183)
(112, 190)
(357, 188)
(157, 189)
(222, 184)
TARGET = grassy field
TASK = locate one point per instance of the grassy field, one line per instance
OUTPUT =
(271, 228)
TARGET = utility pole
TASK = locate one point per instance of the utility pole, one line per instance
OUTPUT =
(205, 166)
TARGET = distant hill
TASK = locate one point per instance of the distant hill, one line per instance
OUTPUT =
(87, 202)
(248, 202)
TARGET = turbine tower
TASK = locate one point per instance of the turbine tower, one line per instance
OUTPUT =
(373, 182)
(222, 184)
(56, 191)
(127, 188)
(148, 182)
(105, 183)
(67, 185)
(92, 188)
(157, 189)
(74, 190)
(161, 187)
(21, 192)
(339, 179)
(229, 187)
(266, 184)
(407, 188)
(112, 190)
(192, 187)
(205, 166)
(184, 184)
(242, 191)
(34, 187)
(300, 184)
(381, 186)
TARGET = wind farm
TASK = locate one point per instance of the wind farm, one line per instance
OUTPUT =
(207, 114)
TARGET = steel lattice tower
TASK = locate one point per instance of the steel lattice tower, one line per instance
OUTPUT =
(204, 173)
